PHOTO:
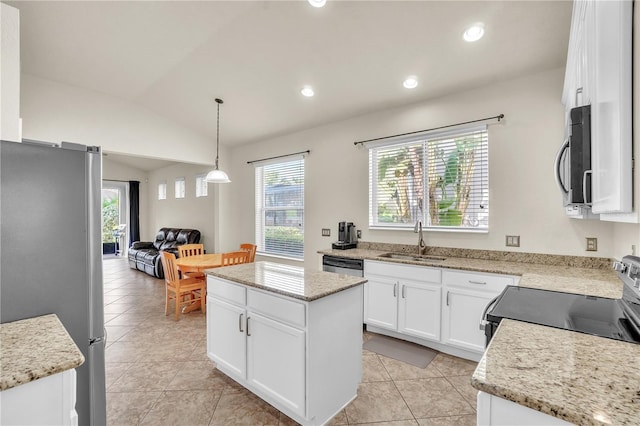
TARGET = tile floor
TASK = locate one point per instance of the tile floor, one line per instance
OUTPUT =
(158, 372)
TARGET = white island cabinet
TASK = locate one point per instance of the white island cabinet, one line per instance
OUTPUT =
(292, 337)
(37, 373)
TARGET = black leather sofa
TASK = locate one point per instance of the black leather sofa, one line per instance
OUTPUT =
(145, 256)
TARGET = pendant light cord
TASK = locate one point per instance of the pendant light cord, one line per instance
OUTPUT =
(219, 101)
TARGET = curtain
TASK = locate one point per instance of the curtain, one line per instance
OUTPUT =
(134, 211)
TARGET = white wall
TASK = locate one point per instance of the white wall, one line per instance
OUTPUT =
(53, 111)
(524, 199)
(189, 212)
(112, 170)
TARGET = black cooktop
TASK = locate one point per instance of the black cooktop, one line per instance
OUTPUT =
(587, 314)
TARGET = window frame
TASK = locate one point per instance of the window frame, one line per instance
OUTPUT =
(162, 190)
(180, 193)
(202, 186)
(261, 208)
(425, 141)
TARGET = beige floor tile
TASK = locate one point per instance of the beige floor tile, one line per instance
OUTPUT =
(433, 398)
(399, 370)
(115, 332)
(377, 402)
(339, 419)
(468, 420)
(244, 408)
(199, 375)
(450, 365)
(183, 408)
(116, 308)
(120, 351)
(146, 376)
(113, 371)
(129, 408)
(463, 385)
(392, 423)
(373, 370)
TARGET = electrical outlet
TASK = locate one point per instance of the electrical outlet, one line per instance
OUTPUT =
(359, 234)
(592, 244)
(513, 241)
(326, 232)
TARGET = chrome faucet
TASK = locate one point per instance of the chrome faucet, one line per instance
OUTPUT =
(421, 244)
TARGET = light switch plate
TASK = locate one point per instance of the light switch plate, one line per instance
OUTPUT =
(326, 232)
(513, 241)
(592, 244)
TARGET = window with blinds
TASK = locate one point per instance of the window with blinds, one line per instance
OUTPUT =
(180, 187)
(280, 207)
(202, 187)
(439, 178)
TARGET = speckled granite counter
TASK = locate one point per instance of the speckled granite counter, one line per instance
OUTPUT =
(292, 281)
(571, 274)
(34, 348)
(579, 378)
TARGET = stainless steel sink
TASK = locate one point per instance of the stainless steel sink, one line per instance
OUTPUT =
(403, 256)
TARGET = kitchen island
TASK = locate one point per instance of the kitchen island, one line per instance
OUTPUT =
(291, 336)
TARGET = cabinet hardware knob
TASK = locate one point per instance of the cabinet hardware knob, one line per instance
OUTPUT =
(240, 323)
(248, 334)
(478, 282)
(447, 298)
(395, 289)
(403, 287)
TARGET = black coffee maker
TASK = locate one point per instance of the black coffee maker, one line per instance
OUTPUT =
(347, 236)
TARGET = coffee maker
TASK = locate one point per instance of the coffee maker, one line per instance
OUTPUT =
(347, 236)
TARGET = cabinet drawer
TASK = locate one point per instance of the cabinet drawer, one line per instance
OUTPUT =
(477, 281)
(277, 307)
(226, 290)
(395, 270)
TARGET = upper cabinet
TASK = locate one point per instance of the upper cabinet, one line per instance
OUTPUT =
(10, 73)
(599, 73)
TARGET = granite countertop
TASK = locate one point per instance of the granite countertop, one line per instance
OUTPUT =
(292, 281)
(579, 378)
(35, 348)
(570, 274)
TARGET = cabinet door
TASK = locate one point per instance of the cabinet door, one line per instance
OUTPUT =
(276, 361)
(226, 340)
(419, 309)
(462, 314)
(380, 302)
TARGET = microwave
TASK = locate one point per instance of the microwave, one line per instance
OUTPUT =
(573, 161)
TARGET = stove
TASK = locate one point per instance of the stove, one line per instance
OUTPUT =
(611, 318)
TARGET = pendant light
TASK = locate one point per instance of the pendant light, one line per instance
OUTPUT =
(217, 175)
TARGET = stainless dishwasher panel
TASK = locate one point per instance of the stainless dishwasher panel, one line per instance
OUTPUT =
(343, 265)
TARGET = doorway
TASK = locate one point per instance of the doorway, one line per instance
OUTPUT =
(115, 218)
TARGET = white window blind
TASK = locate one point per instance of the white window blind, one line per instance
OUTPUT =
(280, 207)
(202, 187)
(162, 191)
(441, 179)
(180, 187)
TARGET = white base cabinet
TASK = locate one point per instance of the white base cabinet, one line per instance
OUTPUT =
(304, 358)
(496, 411)
(50, 400)
(435, 307)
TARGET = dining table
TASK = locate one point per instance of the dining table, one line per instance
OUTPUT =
(198, 263)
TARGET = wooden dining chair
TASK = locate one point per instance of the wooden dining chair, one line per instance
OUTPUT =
(251, 249)
(191, 250)
(235, 258)
(179, 288)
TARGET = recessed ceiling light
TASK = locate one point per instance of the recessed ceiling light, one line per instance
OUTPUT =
(317, 3)
(411, 82)
(474, 32)
(307, 91)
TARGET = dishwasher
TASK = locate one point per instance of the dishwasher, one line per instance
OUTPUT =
(343, 265)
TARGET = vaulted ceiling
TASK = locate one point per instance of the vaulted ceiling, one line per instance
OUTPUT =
(174, 58)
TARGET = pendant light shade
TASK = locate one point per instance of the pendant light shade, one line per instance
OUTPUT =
(217, 175)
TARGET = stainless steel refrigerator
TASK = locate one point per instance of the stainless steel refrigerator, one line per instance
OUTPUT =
(51, 251)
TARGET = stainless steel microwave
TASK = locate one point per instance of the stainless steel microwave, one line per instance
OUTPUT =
(573, 161)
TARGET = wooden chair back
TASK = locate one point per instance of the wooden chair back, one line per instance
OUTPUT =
(171, 274)
(190, 250)
(235, 258)
(251, 249)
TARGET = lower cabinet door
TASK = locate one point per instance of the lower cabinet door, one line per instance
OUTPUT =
(276, 361)
(380, 302)
(463, 312)
(419, 310)
(226, 339)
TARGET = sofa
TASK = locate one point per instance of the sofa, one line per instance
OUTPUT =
(145, 256)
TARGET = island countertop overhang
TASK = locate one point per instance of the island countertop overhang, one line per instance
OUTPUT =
(292, 281)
